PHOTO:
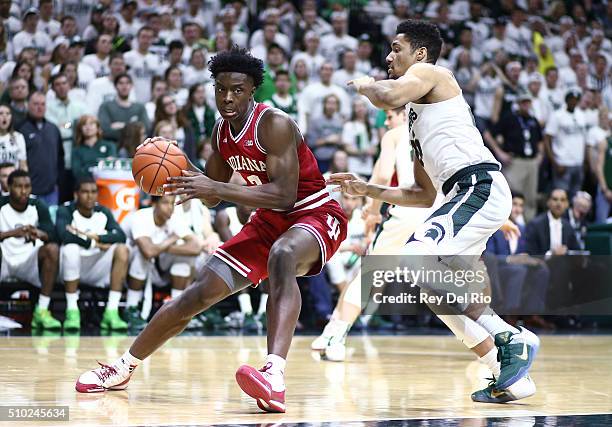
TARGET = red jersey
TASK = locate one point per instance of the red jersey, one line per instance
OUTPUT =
(245, 154)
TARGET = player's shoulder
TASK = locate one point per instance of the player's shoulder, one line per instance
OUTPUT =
(103, 210)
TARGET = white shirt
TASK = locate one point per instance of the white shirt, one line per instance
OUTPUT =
(280, 39)
(100, 67)
(38, 40)
(355, 134)
(332, 46)
(312, 62)
(555, 97)
(568, 136)
(485, 96)
(142, 224)
(192, 75)
(310, 102)
(518, 40)
(341, 77)
(51, 28)
(142, 68)
(12, 148)
(101, 90)
(556, 231)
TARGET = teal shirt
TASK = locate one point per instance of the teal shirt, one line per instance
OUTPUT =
(84, 157)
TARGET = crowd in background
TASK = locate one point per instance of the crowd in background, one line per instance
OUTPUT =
(85, 80)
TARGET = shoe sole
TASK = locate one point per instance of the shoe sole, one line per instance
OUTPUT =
(522, 372)
(252, 386)
(93, 388)
(509, 397)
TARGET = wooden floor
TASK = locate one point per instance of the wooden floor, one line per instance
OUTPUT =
(191, 380)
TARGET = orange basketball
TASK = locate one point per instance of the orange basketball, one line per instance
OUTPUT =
(154, 163)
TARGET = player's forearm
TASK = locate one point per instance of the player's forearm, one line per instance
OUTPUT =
(413, 197)
(381, 95)
(268, 196)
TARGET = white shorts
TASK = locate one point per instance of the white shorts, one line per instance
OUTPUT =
(175, 265)
(475, 208)
(94, 270)
(395, 231)
(26, 269)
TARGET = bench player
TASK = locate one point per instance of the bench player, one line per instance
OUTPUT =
(450, 157)
(296, 229)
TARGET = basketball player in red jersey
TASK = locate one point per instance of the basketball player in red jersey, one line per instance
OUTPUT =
(295, 231)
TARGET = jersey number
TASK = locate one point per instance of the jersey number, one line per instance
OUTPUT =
(416, 149)
(334, 227)
(254, 179)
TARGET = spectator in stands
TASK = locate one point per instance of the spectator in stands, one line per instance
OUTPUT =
(311, 56)
(103, 89)
(93, 252)
(18, 93)
(158, 88)
(335, 43)
(197, 71)
(484, 95)
(89, 147)
(166, 109)
(79, 11)
(85, 73)
(505, 97)
(192, 37)
(552, 93)
(600, 77)
(160, 244)
(565, 143)
(142, 64)
(467, 76)
(114, 115)
(175, 55)
(312, 23)
(518, 35)
(300, 73)
(201, 117)
(11, 23)
(68, 28)
(44, 149)
(518, 145)
(348, 72)
(174, 84)
(99, 61)
(523, 279)
(5, 170)
(110, 25)
(131, 136)
(325, 132)
(129, 24)
(577, 215)
(228, 23)
(262, 40)
(63, 112)
(275, 61)
(389, 23)
(12, 144)
(6, 48)
(76, 92)
(26, 241)
(95, 27)
(310, 103)
(283, 99)
(603, 171)
(30, 36)
(359, 140)
(364, 54)
(539, 106)
(22, 70)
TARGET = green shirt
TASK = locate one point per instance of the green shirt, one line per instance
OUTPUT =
(84, 157)
(268, 87)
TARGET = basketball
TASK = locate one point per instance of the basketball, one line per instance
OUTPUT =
(154, 162)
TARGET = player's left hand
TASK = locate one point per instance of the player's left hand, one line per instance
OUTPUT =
(349, 183)
(361, 82)
(156, 139)
(191, 185)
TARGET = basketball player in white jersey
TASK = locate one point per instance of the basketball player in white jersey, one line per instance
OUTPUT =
(450, 156)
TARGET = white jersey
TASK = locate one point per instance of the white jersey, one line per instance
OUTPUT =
(445, 139)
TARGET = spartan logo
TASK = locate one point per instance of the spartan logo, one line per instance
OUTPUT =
(435, 232)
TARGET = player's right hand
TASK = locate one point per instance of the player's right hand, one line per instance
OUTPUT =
(156, 139)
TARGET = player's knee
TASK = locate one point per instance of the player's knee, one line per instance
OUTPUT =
(281, 258)
(50, 251)
(121, 254)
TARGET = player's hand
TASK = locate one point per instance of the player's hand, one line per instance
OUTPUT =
(349, 183)
(361, 82)
(156, 139)
(510, 230)
(191, 185)
(23, 231)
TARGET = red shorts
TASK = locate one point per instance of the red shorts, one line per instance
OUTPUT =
(247, 252)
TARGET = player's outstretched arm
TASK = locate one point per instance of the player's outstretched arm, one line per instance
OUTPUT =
(278, 136)
(422, 195)
(418, 81)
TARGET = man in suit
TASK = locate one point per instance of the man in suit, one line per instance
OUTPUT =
(577, 215)
(551, 235)
(523, 280)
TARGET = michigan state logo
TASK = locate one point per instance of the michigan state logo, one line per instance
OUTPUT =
(435, 232)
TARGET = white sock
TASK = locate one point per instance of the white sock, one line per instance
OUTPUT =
(262, 304)
(175, 293)
(113, 300)
(71, 301)
(490, 359)
(133, 298)
(245, 303)
(495, 324)
(277, 369)
(342, 330)
(43, 302)
(128, 361)
(465, 329)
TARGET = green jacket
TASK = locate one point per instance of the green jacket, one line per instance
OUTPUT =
(102, 218)
(84, 157)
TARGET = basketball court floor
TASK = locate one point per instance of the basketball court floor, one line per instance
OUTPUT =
(388, 380)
